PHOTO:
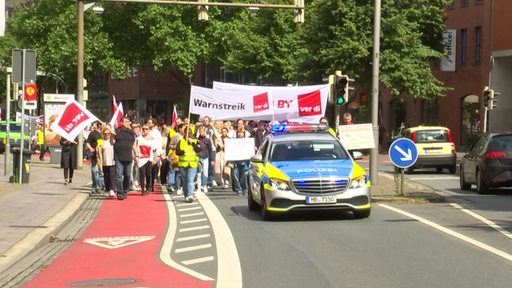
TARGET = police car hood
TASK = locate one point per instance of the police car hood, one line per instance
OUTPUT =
(315, 168)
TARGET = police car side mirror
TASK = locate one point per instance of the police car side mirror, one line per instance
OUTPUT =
(356, 155)
(257, 158)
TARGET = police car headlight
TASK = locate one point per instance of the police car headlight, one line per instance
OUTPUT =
(359, 182)
(278, 184)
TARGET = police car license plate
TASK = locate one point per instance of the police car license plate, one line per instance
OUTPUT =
(320, 199)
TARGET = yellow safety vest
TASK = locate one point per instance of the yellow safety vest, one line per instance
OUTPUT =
(40, 137)
(190, 157)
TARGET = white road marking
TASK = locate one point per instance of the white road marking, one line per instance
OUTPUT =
(190, 209)
(483, 219)
(165, 252)
(194, 221)
(195, 228)
(450, 232)
(229, 272)
(195, 237)
(423, 178)
(193, 248)
(198, 260)
(117, 242)
(191, 214)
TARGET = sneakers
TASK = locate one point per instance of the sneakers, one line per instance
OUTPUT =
(111, 193)
(189, 199)
(171, 188)
(179, 191)
(214, 183)
(204, 189)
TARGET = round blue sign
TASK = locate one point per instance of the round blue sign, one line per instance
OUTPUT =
(403, 153)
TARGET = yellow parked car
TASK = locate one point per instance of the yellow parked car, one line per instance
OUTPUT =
(435, 148)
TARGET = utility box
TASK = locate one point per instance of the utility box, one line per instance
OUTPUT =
(55, 155)
(25, 164)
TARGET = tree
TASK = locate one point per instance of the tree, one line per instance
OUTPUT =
(339, 35)
(50, 28)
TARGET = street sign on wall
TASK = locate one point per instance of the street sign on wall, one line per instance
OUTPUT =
(403, 153)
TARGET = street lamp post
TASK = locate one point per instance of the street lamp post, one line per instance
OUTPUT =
(374, 153)
(80, 74)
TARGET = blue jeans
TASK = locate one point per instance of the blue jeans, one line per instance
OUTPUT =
(188, 175)
(174, 179)
(123, 175)
(239, 179)
(202, 178)
(96, 183)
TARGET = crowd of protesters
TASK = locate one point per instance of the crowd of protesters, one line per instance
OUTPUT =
(184, 158)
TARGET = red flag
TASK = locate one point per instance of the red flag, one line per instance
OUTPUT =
(72, 120)
(174, 117)
(116, 118)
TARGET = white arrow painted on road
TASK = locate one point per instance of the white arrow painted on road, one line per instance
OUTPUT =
(407, 156)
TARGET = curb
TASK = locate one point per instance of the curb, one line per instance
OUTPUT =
(422, 193)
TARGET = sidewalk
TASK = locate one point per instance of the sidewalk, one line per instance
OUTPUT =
(31, 213)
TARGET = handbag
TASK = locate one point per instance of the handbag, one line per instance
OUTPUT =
(174, 158)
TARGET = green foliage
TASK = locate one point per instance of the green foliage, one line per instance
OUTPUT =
(266, 47)
(339, 35)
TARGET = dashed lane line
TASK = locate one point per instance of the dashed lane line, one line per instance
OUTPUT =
(165, 252)
(198, 260)
(193, 248)
(450, 232)
(195, 228)
(195, 237)
(229, 271)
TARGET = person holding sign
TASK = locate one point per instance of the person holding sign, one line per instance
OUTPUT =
(68, 158)
(240, 168)
(187, 151)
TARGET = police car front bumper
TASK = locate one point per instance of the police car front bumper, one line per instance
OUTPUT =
(286, 201)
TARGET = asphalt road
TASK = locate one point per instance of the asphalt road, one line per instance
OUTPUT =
(464, 242)
(400, 245)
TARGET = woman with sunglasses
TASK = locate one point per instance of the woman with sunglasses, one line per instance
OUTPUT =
(107, 166)
(147, 144)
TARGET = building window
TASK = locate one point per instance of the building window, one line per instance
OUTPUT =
(451, 5)
(478, 43)
(465, 2)
(463, 38)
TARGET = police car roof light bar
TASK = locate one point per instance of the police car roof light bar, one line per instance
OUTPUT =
(297, 128)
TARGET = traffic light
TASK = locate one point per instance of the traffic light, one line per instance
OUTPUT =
(202, 11)
(341, 89)
(493, 102)
(487, 96)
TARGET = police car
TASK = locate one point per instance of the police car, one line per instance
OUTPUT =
(304, 167)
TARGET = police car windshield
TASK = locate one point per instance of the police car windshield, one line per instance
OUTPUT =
(307, 150)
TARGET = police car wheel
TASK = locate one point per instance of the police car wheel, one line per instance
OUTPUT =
(267, 215)
(363, 213)
(253, 206)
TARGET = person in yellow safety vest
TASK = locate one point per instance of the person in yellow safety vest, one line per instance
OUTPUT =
(187, 150)
(40, 141)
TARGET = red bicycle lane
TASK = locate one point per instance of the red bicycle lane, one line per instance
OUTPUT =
(120, 248)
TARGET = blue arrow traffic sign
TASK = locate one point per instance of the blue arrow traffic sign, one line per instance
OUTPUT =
(403, 153)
